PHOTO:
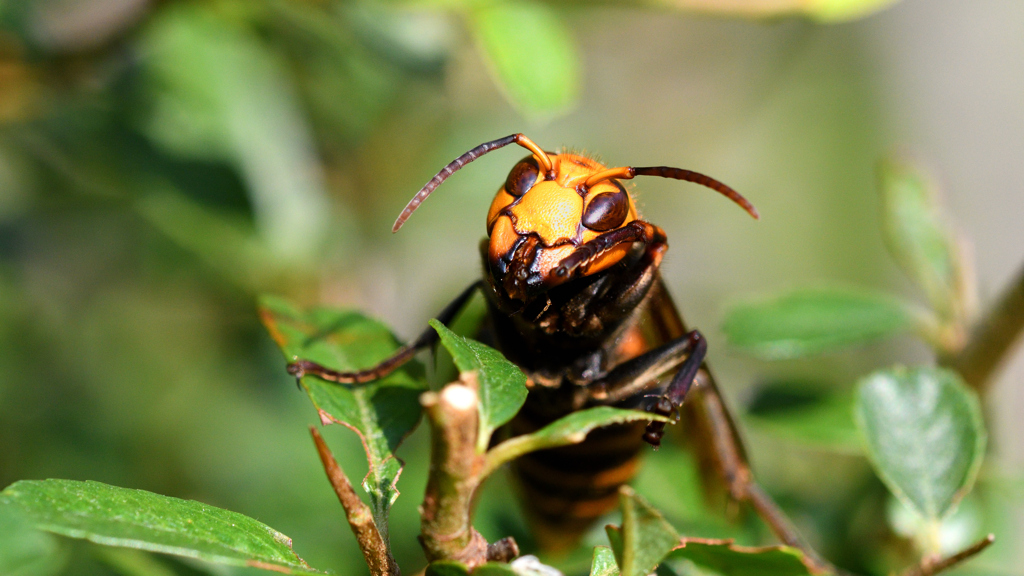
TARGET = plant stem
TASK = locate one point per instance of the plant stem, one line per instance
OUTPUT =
(446, 529)
(360, 517)
(927, 568)
(992, 338)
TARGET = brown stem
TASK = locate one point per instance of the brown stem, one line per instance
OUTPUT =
(992, 338)
(455, 466)
(740, 479)
(926, 568)
(360, 517)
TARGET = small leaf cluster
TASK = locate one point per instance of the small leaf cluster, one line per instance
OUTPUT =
(382, 413)
(921, 427)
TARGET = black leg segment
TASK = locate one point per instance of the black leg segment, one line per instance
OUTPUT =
(642, 373)
(669, 402)
(428, 337)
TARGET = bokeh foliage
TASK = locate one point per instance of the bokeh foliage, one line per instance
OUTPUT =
(161, 163)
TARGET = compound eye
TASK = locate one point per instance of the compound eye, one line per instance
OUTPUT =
(606, 211)
(522, 177)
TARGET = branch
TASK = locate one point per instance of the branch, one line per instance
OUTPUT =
(926, 568)
(992, 338)
(360, 517)
(446, 529)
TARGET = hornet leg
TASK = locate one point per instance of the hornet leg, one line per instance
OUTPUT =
(429, 337)
(642, 372)
(733, 467)
(672, 399)
(687, 352)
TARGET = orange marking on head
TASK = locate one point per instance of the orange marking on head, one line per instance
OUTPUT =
(551, 211)
(503, 238)
(608, 259)
(501, 200)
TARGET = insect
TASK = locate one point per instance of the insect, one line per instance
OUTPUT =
(576, 300)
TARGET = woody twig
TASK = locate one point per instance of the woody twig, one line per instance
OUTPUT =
(455, 473)
(928, 568)
(992, 338)
(360, 517)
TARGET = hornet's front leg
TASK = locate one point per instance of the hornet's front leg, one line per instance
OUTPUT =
(687, 352)
(641, 373)
(429, 337)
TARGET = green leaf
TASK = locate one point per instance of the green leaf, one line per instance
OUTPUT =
(227, 245)
(24, 550)
(925, 435)
(844, 10)
(531, 55)
(571, 429)
(495, 569)
(644, 539)
(604, 562)
(829, 11)
(812, 321)
(382, 413)
(220, 91)
(115, 516)
(727, 559)
(446, 568)
(129, 562)
(502, 385)
(917, 236)
(961, 528)
(806, 414)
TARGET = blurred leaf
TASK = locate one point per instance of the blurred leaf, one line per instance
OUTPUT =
(571, 429)
(672, 482)
(531, 53)
(494, 569)
(446, 568)
(82, 25)
(844, 10)
(604, 562)
(811, 416)
(418, 40)
(502, 384)
(925, 435)
(128, 562)
(644, 539)
(727, 559)
(138, 519)
(821, 10)
(957, 531)
(917, 236)
(24, 550)
(814, 320)
(221, 92)
(345, 85)
(220, 240)
(382, 412)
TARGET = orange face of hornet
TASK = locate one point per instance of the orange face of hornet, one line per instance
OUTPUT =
(562, 216)
(560, 212)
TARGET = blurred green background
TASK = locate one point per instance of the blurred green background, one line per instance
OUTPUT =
(163, 162)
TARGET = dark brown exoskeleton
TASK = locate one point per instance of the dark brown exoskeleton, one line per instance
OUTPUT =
(575, 300)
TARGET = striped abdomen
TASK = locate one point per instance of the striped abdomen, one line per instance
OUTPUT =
(564, 490)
